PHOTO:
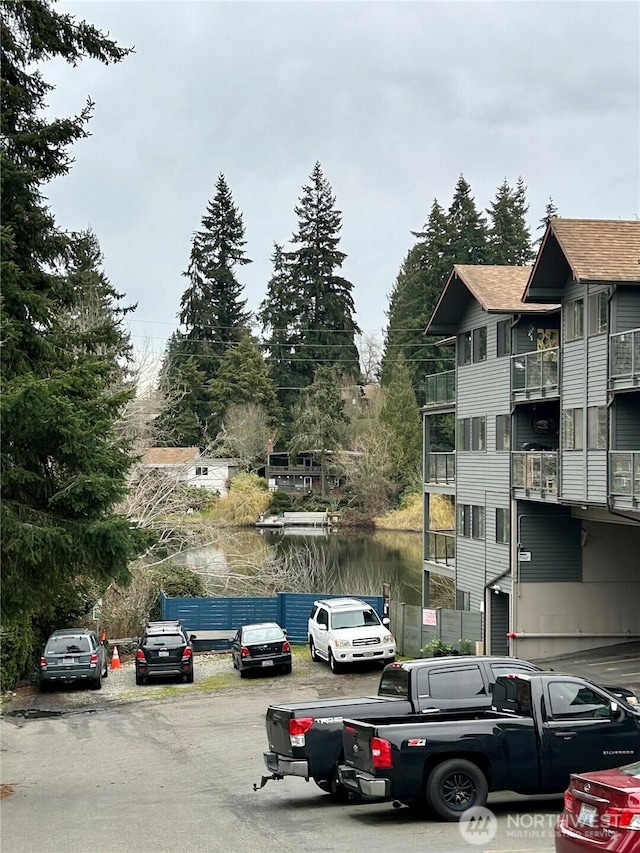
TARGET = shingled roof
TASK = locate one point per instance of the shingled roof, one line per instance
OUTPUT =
(497, 289)
(600, 249)
(170, 455)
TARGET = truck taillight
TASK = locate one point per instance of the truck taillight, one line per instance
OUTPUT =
(244, 652)
(186, 654)
(381, 753)
(140, 655)
(286, 647)
(298, 729)
(43, 663)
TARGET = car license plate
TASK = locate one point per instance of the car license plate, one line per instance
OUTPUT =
(163, 654)
(587, 815)
(267, 663)
(67, 661)
(368, 654)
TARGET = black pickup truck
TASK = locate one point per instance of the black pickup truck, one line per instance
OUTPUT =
(305, 739)
(542, 727)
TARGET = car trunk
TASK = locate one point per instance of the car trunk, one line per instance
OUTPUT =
(596, 806)
(67, 654)
(265, 650)
(159, 652)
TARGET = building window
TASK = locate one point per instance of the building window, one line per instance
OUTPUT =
(465, 348)
(464, 434)
(473, 346)
(503, 432)
(503, 333)
(502, 526)
(575, 319)
(202, 472)
(597, 428)
(480, 344)
(597, 305)
(479, 433)
(470, 521)
(572, 429)
(463, 600)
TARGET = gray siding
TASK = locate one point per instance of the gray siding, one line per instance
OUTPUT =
(625, 420)
(470, 569)
(552, 537)
(597, 368)
(597, 486)
(573, 475)
(625, 308)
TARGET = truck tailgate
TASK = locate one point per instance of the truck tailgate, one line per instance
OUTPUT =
(326, 714)
(356, 743)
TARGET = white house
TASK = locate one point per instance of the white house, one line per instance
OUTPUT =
(188, 466)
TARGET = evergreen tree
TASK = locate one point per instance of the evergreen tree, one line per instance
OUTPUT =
(212, 313)
(467, 228)
(63, 461)
(324, 330)
(550, 212)
(243, 376)
(509, 235)
(182, 422)
(400, 416)
(319, 418)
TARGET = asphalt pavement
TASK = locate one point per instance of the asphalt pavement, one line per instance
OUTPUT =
(616, 665)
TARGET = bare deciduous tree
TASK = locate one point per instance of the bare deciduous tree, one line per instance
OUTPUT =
(245, 435)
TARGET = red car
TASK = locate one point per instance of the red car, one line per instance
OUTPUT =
(601, 812)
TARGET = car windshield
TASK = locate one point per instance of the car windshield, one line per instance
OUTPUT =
(67, 645)
(164, 641)
(262, 635)
(355, 619)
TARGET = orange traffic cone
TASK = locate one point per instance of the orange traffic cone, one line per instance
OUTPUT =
(115, 659)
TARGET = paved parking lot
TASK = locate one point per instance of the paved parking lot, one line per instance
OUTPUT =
(619, 664)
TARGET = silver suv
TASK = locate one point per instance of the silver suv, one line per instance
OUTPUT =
(346, 631)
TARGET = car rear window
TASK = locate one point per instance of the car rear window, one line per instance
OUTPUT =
(68, 645)
(394, 682)
(164, 641)
(263, 635)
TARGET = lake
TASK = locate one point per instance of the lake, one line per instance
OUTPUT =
(262, 562)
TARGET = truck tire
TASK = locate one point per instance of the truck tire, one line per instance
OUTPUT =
(455, 786)
(334, 666)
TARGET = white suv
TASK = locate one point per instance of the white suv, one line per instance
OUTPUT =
(348, 630)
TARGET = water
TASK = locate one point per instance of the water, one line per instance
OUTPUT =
(252, 562)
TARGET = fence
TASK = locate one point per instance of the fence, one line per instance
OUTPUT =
(451, 627)
(225, 615)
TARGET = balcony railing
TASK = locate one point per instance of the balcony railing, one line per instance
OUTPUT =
(441, 547)
(440, 468)
(535, 372)
(441, 388)
(624, 473)
(535, 471)
(625, 354)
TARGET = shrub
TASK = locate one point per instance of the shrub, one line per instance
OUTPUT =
(248, 498)
(18, 645)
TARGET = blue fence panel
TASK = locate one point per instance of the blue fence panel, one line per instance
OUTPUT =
(289, 609)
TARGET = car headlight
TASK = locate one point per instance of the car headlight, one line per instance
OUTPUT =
(388, 638)
(342, 644)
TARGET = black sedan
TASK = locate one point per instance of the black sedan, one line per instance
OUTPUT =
(261, 646)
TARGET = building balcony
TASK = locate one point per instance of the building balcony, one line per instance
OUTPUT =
(624, 475)
(440, 547)
(624, 359)
(534, 375)
(440, 469)
(535, 472)
(441, 390)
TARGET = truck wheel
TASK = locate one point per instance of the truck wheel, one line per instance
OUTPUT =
(312, 649)
(333, 664)
(455, 786)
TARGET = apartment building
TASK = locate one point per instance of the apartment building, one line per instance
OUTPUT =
(545, 471)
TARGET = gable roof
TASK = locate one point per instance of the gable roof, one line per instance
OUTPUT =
(497, 289)
(170, 455)
(585, 250)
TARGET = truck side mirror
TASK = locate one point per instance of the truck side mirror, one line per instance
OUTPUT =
(322, 627)
(386, 621)
(617, 713)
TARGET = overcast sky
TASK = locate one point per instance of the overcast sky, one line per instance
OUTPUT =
(395, 99)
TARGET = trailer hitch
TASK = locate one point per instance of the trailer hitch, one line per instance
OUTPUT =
(264, 780)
